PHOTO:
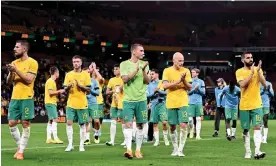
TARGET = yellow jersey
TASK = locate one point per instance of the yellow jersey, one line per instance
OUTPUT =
(22, 90)
(50, 85)
(114, 84)
(100, 97)
(77, 98)
(177, 97)
(250, 95)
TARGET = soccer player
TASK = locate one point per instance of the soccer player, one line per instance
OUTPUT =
(176, 80)
(22, 73)
(157, 97)
(249, 78)
(78, 83)
(266, 94)
(115, 88)
(134, 74)
(195, 103)
(92, 104)
(220, 104)
(231, 94)
(98, 77)
(51, 94)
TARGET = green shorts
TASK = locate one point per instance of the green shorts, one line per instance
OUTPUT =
(80, 115)
(195, 110)
(178, 115)
(138, 109)
(158, 113)
(51, 111)
(256, 116)
(115, 113)
(231, 113)
(266, 110)
(21, 109)
(93, 111)
(101, 110)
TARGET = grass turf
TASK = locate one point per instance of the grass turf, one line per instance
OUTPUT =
(208, 151)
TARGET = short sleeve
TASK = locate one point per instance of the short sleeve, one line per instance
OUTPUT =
(160, 85)
(165, 76)
(123, 69)
(188, 77)
(87, 79)
(51, 85)
(147, 69)
(202, 84)
(109, 85)
(239, 76)
(33, 68)
(65, 83)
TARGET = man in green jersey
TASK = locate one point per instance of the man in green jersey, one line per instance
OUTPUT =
(134, 74)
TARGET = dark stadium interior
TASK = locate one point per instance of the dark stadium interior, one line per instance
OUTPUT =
(211, 35)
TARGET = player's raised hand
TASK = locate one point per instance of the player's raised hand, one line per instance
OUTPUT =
(252, 67)
(196, 87)
(11, 67)
(94, 65)
(137, 66)
(259, 65)
(183, 75)
(145, 65)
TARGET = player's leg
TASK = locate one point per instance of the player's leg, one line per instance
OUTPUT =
(173, 121)
(121, 118)
(257, 120)
(53, 116)
(191, 113)
(217, 121)
(114, 116)
(14, 114)
(198, 114)
(49, 139)
(154, 120)
(228, 117)
(245, 125)
(141, 114)
(163, 117)
(83, 119)
(234, 122)
(71, 115)
(88, 125)
(128, 114)
(183, 120)
(265, 119)
(101, 113)
(27, 108)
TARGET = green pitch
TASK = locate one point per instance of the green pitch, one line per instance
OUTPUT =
(209, 151)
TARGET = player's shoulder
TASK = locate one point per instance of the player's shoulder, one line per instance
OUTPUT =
(70, 73)
(124, 62)
(239, 71)
(168, 69)
(32, 60)
(184, 69)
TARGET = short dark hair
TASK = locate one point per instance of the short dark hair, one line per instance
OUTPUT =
(243, 54)
(116, 65)
(134, 46)
(53, 69)
(196, 70)
(155, 71)
(77, 57)
(24, 43)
